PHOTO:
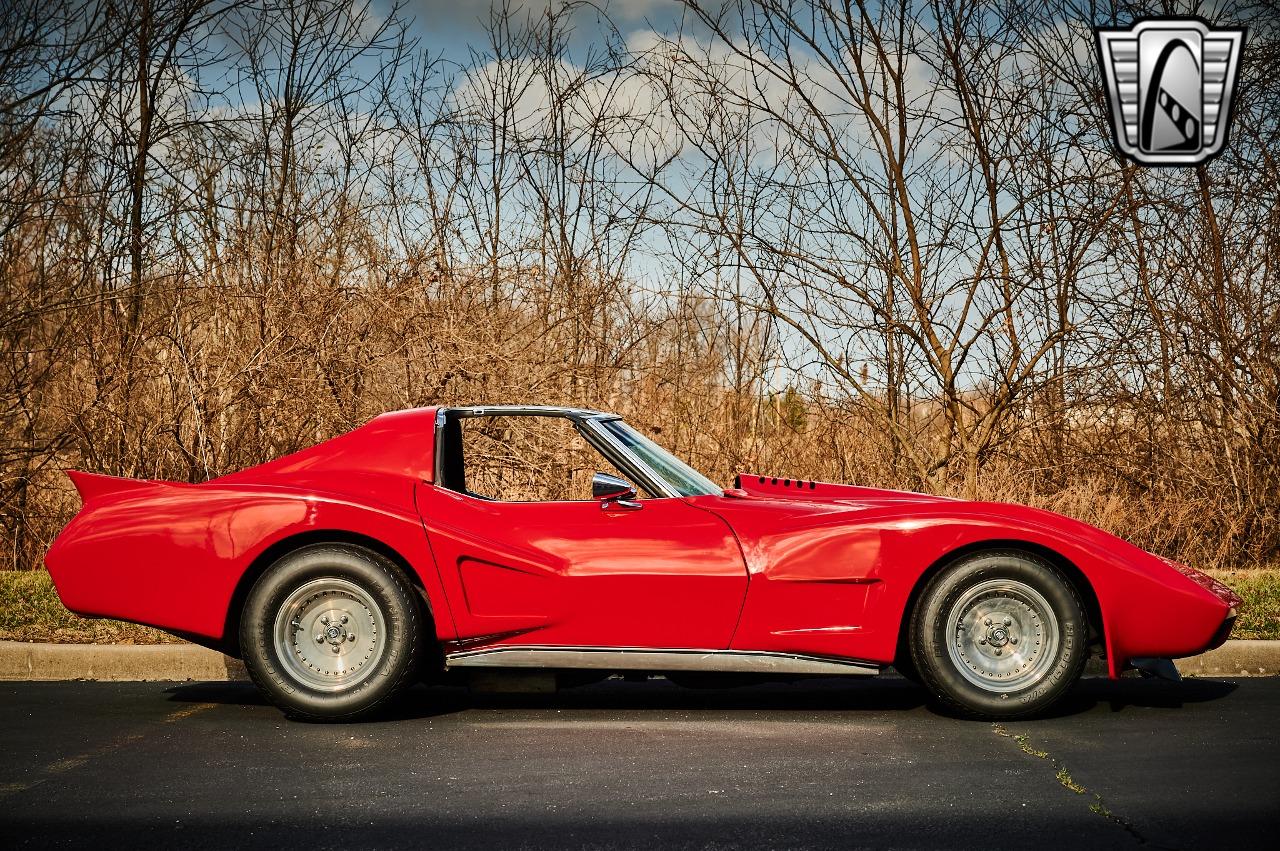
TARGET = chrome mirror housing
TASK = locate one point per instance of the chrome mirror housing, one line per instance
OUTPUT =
(606, 487)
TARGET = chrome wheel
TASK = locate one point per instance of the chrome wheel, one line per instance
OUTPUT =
(329, 634)
(1005, 635)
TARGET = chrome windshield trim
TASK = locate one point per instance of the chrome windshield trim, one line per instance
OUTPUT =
(627, 461)
(598, 423)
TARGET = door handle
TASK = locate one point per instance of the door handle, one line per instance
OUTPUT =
(621, 505)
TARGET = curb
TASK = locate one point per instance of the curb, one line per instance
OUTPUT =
(21, 660)
(1236, 658)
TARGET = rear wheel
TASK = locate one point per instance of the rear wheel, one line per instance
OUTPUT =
(999, 635)
(330, 632)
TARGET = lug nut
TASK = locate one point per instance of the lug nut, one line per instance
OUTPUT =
(1008, 622)
(351, 636)
(982, 641)
(325, 620)
(987, 622)
(998, 651)
(1013, 640)
(320, 638)
(344, 618)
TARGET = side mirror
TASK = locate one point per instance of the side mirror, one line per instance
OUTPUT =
(613, 492)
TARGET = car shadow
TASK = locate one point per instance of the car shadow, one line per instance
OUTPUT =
(882, 694)
(1140, 693)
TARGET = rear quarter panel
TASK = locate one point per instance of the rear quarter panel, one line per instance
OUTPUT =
(171, 556)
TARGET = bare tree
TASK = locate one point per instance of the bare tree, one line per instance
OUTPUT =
(883, 242)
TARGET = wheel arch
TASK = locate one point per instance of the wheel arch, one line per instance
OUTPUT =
(1079, 581)
(277, 550)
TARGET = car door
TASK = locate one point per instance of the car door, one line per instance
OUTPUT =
(576, 574)
(657, 572)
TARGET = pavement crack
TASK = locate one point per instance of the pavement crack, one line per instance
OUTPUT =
(1063, 775)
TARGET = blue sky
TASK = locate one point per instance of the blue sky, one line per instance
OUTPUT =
(449, 26)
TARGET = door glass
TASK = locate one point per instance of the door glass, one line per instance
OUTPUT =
(529, 459)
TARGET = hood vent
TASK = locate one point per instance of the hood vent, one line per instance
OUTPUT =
(767, 483)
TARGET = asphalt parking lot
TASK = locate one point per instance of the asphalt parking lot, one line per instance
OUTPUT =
(641, 765)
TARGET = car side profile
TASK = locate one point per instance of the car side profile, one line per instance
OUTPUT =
(436, 541)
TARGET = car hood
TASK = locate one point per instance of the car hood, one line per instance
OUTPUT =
(772, 509)
(768, 512)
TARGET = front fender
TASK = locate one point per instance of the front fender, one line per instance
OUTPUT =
(837, 578)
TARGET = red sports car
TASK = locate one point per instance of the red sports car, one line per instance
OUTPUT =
(441, 539)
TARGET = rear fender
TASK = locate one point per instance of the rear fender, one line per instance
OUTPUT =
(172, 556)
(91, 486)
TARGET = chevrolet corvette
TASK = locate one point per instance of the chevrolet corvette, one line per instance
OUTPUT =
(435, 542)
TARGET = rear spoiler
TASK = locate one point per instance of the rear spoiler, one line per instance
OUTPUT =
(92, 485)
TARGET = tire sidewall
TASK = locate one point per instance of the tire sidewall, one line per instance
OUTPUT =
(380, 579)
(932, 632)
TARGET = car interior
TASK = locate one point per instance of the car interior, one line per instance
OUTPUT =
(519, 458)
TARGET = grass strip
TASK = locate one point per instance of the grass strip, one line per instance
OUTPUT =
(31, 611)
(1260, 612)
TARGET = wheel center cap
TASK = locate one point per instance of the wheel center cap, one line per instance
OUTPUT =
(999, 636)
(333, 632)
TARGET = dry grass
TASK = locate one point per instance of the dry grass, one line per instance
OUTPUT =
(31, 611)
(1260, 588)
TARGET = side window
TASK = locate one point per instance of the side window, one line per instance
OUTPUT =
(528, 459)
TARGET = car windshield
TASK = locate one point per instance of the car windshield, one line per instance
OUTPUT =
(684, 479)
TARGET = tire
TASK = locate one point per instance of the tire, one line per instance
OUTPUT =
(999, 635)
(330, 632)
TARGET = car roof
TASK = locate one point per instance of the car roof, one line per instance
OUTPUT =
(530, 411)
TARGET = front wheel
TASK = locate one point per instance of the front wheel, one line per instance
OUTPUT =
(999, 635)
(330, 632)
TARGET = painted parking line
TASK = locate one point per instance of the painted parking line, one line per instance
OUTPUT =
(187, 712)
